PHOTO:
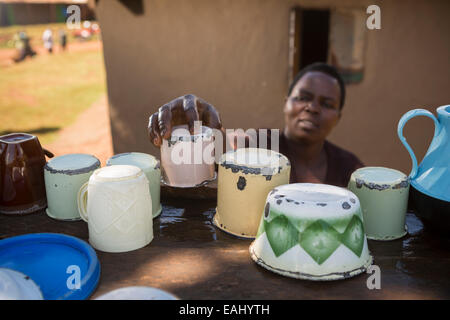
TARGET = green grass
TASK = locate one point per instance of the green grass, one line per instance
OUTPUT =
(44, 94)
(35, 32)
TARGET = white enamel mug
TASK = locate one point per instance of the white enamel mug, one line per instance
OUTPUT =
(188, 160)
(117, 206)
(150, 165)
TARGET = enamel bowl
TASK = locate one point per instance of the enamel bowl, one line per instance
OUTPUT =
(312, 231)
(15, 285)
(137, 293)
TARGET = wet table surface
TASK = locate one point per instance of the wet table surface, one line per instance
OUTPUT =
(192, 259)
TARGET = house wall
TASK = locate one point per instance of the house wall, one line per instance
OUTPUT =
(234, 54)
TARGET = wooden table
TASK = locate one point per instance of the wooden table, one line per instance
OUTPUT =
(192, 259)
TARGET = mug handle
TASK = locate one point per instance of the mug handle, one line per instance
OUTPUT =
(82, 201)
(405, 118)
(48, 153)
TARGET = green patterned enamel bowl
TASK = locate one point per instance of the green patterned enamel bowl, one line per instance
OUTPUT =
(312, 231)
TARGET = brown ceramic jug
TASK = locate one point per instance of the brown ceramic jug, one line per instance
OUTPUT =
(22, 186)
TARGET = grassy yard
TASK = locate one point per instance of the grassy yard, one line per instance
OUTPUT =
(44, 94)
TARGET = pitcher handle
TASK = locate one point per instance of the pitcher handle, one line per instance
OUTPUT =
(82, 201)
(405, 118)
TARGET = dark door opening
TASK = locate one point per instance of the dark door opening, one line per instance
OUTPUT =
(309, 38)
(314, 32)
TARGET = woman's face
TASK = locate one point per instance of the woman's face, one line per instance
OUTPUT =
(312, 110)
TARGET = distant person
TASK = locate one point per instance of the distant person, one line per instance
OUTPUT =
(47, 37)
(26, 42)
(62, 39)
(95, 28)
(23, 47)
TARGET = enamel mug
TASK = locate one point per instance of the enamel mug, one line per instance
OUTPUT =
(188, 160)
(150, 165)
(246, 176)
(22, 186)
(383, 193)
(117, 206)
(64, 176)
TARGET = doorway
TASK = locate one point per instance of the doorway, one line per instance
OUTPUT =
(309, 38)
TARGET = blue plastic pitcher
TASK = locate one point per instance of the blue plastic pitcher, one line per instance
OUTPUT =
(430, 181)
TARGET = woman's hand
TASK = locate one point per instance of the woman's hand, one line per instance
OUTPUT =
(181, 111)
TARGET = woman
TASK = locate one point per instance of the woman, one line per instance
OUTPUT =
(312, 109)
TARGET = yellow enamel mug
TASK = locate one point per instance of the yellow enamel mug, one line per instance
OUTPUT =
(117, 206)
(245, 178)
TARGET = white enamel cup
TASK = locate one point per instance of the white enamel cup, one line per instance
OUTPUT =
(117, 206)
(150, 165)
(188, 160)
